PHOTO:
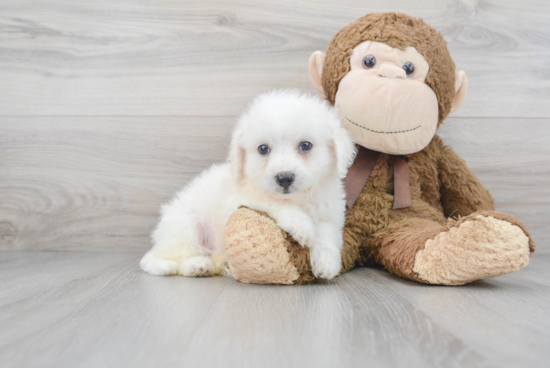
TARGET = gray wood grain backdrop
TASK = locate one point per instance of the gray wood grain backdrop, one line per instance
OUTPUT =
(108, 107)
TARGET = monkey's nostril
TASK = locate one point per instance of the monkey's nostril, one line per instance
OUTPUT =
(285, 179)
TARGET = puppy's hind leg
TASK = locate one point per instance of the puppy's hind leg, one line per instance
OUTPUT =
(196, 266)
(210, 262)
(157, 266)
(175, 239)
(186, 241)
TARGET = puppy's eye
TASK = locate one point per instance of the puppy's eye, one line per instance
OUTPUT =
(369, 61)
(305, 146)
(409, 68)
(263, 149)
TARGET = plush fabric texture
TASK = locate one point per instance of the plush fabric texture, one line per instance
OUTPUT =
(476, 249)
(442, 186)
(419, 113)
(383, 109)
(259, 250)
(450, 235)
(398, 31)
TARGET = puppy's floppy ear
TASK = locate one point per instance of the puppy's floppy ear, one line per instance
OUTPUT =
(237, 155)
(344, 149)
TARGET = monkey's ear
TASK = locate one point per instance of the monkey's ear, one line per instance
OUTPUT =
(461, 87)
(316, 62)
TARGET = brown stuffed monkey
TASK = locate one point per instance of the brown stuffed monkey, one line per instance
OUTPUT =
(414, 207)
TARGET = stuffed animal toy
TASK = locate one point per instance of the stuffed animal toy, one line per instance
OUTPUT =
(414, 207)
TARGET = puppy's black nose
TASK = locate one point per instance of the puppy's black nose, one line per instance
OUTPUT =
(285, 179)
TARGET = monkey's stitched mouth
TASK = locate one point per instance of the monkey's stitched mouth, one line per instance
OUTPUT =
(380, 132)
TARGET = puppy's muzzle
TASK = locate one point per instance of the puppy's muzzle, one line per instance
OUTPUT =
(285, 180)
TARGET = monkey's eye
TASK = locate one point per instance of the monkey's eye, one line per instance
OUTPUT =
(263, 149)
(369, 61)
(305, 146)
(409, 67)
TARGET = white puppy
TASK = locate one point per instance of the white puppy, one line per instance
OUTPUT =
(287, 157)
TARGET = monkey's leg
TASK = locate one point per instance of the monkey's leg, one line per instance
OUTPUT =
(482, 245)
(260, 252)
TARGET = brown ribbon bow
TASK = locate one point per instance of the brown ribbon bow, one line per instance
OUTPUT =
(362, 167)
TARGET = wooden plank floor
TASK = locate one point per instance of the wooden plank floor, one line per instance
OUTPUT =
(85, 309)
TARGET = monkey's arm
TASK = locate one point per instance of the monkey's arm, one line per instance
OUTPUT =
(461, 191)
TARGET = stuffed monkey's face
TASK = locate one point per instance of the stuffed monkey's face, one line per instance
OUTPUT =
(384, 102)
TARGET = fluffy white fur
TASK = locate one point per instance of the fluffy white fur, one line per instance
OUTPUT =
(189, 237)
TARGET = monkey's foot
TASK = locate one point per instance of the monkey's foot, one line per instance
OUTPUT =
(260, 252)
(483, 245)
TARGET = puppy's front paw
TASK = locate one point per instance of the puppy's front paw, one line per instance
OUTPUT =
(157, 266)
(301, 228)
(325, 264)
(196, 267)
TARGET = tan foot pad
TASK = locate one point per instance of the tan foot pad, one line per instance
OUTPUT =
(260, 252)
(481, 247)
